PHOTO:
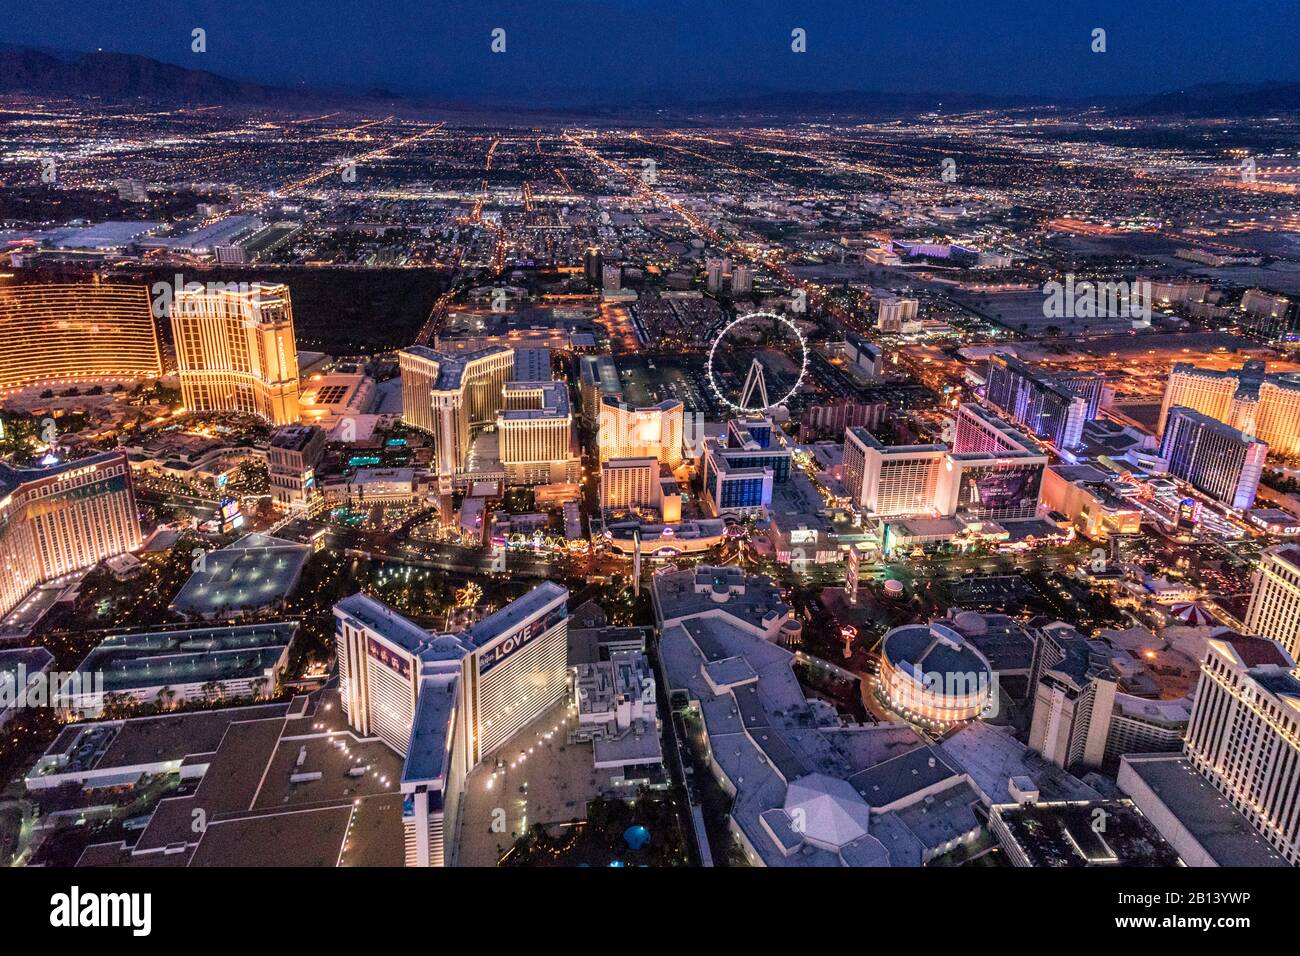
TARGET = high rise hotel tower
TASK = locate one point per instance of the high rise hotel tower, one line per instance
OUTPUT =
(1262, 405)
(1053, 405)
(1274, 609)
(446, 702)
(453, 396)
(1213, 457)
(235, 351)
(535, 434)
(626, 431)
(76, 332)
(1244, 734)
(62, 518)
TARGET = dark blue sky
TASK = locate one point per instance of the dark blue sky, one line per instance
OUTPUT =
(577, 51)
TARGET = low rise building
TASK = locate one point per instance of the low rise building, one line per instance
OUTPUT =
(618, 713)
(173, 667)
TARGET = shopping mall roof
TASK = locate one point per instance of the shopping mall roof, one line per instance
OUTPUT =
(140, 661)
(783, 752)
(255, 572)
(827, 810)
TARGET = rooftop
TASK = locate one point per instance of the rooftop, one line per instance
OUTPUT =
(257, 813)
(1219, 827)
(784, 753)
(1067, 835)
(293, 437)
(918, 649)
(753, 600)
(549, 399)
(255, 572)
(12, 478)
(510, 617)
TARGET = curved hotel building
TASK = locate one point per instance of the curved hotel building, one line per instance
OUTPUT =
(235, 351)
(445, 702)
(62, 518)
(932, 675)
(76, 332)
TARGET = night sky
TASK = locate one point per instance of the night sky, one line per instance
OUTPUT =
(566, 53)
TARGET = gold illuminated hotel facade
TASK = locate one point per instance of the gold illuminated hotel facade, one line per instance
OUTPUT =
(1264, 405)
(235, 351)
(61, 333)
(535, 434)
(626, 431)
(452, 397)
(61, 518)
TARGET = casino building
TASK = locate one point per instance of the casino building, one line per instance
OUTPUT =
(993, 472)
(445, 702)
(933, 676)
(76, 332)
(61, 518)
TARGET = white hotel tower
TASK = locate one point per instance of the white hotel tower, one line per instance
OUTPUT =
(445, 702)
(1274, 609)
(1244, 734)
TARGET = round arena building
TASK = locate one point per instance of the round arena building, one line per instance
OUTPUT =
(931, 675)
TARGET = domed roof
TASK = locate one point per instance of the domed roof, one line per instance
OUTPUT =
(918, 649)
(826, 810)
(971, 622)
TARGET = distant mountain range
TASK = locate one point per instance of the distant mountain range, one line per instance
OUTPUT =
(1220, 99)
(127, 77)
(119, 76)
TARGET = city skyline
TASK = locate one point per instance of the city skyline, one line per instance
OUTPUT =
(602, 55)
(687, 439)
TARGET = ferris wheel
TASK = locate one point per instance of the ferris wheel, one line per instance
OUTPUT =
(755, 380)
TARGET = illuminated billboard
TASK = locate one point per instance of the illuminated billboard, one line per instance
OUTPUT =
(1001, 490)
(498, 652)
